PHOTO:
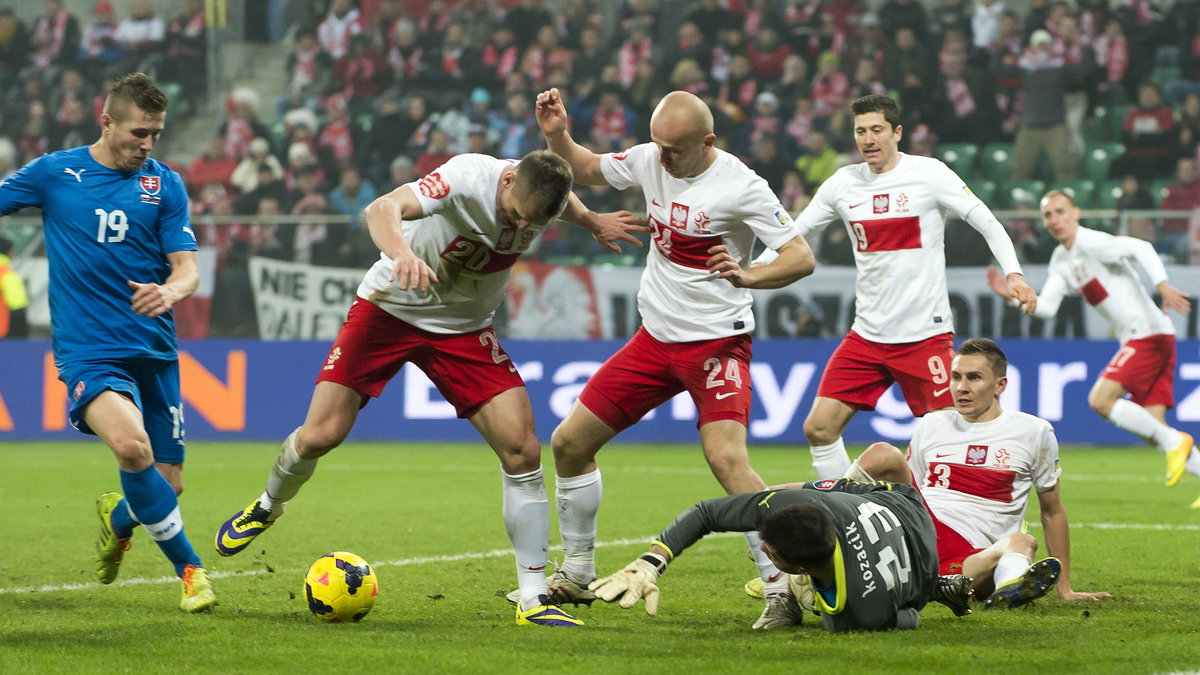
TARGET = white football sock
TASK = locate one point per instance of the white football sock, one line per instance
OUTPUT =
(1009, 567)
(767, 571)
(289, 473)
(856, 474)
(527, 521)
(1131, 417)
(830, 461)
(578, 500)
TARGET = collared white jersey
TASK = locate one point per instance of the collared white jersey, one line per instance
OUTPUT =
(727, 204)
(897, 224)
(461, 241)
(1099, 267)
(976, 477)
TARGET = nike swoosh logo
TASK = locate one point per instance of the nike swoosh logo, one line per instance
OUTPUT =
(725, 395)
(943, 455)
(655, 202)
(855, 206)
(939, 392)
(229, 542)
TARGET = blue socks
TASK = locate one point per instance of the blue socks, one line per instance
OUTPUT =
(154, 504)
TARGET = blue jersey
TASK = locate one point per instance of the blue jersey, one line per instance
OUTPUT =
(104, 227)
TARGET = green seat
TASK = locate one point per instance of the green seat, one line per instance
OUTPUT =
(1081, 191)
(1164, 74)
(960, 156)
(996, 162)
(985, 190)
(1097, 157)
(1024, 194)
(1106, 194)
(1158, 188)
(174, 93)
(1116, 120)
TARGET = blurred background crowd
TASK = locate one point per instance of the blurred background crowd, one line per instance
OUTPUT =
(1098, 96)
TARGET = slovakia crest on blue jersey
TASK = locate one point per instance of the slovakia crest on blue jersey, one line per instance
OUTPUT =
(150, 184)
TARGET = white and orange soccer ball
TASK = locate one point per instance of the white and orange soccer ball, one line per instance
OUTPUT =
(340, 586)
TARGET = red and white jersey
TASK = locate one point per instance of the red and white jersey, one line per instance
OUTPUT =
(976, 477)
(460, 240)
(897, 224)
(727, 204)
(1099, 267)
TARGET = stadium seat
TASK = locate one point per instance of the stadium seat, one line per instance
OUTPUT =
(996, 162)
(174, 92)
(1107, 193)
(960, 156)
(1164, 74)
(985, 190)
(1096, 158)
(1023, 194)
(1158, 188)
(1116, 120)
(1082, 191)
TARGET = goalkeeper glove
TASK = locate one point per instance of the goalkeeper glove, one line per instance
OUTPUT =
(635, 581)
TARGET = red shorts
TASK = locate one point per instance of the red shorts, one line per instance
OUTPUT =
(952, 548)
(645, 373)
(468, 368)
(1146, 368)
(859, 371)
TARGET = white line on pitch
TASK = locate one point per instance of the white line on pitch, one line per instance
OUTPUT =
(502, 552)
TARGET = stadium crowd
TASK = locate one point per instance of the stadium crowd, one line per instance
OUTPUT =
(379, 92)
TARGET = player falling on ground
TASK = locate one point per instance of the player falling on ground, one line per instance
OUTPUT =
(1102, 268)
(706, 209)
(894, 207)
(975, 467)
(122, 254)
(870, 550)
(448, 244)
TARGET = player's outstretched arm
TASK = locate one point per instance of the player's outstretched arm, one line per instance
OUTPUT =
(607, 228)
(150, 299)
(637, 580)
(795, 261)
(551, 115)
(1173, 298)
(1058, 543)
(385, 219)
(1014, 288)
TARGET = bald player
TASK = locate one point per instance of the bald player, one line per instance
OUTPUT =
(705, 209)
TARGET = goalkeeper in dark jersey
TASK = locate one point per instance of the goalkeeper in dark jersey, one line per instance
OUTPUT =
(869, 549)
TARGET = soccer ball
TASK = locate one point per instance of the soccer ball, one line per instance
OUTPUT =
(340, 587)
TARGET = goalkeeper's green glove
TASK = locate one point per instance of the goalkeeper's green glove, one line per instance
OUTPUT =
(635, 581)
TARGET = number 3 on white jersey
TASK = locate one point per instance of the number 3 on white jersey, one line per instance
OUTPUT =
(111, 220)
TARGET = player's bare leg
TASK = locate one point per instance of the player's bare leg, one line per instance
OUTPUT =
(880, 461)
(1107, 398)
(823, 428)
(331, 414)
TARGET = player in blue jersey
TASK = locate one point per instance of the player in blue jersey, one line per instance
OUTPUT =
(122, 253)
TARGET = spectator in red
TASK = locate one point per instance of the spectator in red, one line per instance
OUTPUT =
(742, 86)
(241, 123)
(829, 85)
(185, 60)
(611, 120)
(341, 23)
(1112, 57)
(1149, 137)
(845, 13)
(635, 49)
(500, 57)
(1183, 195)
(458, 62)
(310, 71)
(214, 166)
(767, 53)
(99, 48)
(544, 55)
(438, 153)
(338, 138)
(72, 88)
(55, 37)
(363, 73)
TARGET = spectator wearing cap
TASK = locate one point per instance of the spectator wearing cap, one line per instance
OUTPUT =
(1043, 114)
(98, 48)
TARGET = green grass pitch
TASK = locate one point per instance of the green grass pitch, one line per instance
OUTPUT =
(428, 517)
